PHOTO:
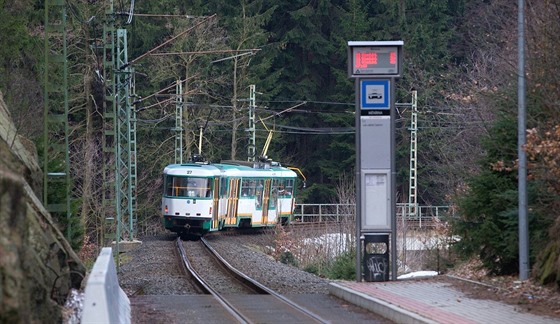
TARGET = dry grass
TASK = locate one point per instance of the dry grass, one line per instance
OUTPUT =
(424, 248)
(314, 245)
(528, 295)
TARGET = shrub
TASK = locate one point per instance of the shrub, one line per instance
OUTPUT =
(344, 266)
(288, 257)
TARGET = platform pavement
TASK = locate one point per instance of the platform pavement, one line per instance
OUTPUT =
(428, 301)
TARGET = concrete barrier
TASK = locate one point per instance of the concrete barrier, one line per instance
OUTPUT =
(105, 301)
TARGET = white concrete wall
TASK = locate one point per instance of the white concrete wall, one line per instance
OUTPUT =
(105, 301)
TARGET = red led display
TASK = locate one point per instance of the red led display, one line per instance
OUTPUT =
(374, 60)
(364, 59)
(393, 58)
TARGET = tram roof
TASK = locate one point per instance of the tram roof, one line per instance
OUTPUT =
(246, 171)
(228, 170)
(200, 169)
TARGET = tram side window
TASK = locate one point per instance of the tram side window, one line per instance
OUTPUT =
(168, 185)
(273, 193)
(223, 187)
(290, 187)
(286, 188)
(259, 191)
(248, 187)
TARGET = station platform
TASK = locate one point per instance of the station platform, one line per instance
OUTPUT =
(430, 301)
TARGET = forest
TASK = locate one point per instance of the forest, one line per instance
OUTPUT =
(459, 55)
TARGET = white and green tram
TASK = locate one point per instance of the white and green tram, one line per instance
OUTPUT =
(200, 198)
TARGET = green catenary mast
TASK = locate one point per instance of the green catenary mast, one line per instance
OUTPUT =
(56, 160)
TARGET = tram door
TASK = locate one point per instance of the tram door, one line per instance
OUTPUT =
(233, 199)
(266, 200)
(216, 203)
(273, 202)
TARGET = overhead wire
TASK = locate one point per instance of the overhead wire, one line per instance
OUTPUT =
(245, 51)
(424, 124)
(171, 39)
(293, 130)
(131, 14)
(311, 101)
(157, 92)
(168, 16)
(284, 111)
(159, 103)
(154, 121)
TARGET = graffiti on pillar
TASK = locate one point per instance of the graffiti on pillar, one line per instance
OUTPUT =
(377, 267)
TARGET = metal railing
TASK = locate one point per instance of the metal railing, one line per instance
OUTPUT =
(323, 212)
(421, 216)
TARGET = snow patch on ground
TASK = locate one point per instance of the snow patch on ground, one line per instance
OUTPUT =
(418, 274)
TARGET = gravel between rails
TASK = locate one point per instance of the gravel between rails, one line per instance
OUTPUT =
(244, 253)
(152, 268)
(218, 279)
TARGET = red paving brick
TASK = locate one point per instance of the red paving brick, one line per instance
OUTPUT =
(421, 301)
(413, 305)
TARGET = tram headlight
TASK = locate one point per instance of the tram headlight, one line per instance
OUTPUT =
(166, 209)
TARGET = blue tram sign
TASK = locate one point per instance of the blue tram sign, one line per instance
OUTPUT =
(375, 95)
(374, 58)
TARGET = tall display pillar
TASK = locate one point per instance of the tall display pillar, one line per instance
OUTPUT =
(375, 65)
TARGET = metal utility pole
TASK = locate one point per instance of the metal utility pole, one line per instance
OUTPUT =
(56, 159)
(251, 148)
(412, 198)
(521, 139)
(119, 136)
(179, 122)
(109, 126)
(125, 143)
(412, 206)
(133, 184)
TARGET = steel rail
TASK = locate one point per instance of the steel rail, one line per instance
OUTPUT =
(207, 289)
(240, 277)
(262, 287)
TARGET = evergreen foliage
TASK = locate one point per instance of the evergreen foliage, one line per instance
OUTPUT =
(288, 258)
(457, 55)
(488, 223)
(21, 62)
(344, 266)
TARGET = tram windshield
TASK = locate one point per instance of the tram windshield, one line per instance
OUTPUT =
(188, 187)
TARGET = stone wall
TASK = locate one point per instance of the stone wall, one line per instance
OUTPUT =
(37, 265)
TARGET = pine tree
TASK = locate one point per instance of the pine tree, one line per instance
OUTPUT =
(487, 226)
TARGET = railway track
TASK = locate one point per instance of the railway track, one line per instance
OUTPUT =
(246, 300)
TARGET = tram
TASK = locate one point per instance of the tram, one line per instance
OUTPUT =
(203, 197)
